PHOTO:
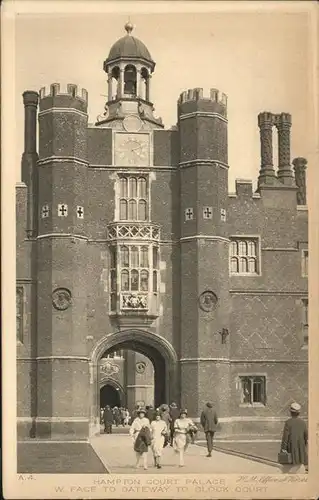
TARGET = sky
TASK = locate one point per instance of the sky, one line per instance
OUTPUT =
(260, 60)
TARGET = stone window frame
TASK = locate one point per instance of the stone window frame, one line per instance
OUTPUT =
(252, 403)
(133, 201)
(117, 269)
(241, 257)
(304, 262)
(20, 313)
(305, 322)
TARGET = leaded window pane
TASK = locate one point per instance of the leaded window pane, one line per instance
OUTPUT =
(134, 257)
(132, 187)
(142, 215)
(125, 280)
(123, 210)
(134, 280)
(132, 210)
(144, 281)
(123, 187)
(142, 187)
(144, 257)
(125, 260)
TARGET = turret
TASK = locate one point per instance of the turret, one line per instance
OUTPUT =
(205, 301)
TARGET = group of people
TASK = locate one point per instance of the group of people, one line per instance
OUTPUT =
(167, 425)
(114, 416)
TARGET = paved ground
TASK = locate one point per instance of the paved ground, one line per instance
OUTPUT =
(267, 450)
(40, 457)
(116, 453)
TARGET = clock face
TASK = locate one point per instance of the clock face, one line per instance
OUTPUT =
(132, 150)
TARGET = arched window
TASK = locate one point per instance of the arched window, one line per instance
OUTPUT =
(155, 257)
(132, 212)
(243, 268)
(242, 247)
(115, 76)
(234, 265)
(134, 257)
(251, 248)
(123, 187)
(130, 80)
(145, 79)
(142, 187)
(252, 265)
(125, 280)
(113, 280)
(132, 187)
(144, 281)
(244, 257)
(125, 261)
(155, 281)
(144, 257)
(233, 248)
(134, 280)
(123, 210)
(133, 200)
(113, 257)
(142, 215)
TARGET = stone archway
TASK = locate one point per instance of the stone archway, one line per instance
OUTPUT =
(116, 386)
(160, 352)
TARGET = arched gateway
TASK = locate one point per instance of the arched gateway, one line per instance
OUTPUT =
(160, 352)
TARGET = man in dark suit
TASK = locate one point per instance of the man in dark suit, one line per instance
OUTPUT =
(209, 423)
(295, 441)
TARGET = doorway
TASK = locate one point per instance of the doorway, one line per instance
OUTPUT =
(154, 347)
(109, 395)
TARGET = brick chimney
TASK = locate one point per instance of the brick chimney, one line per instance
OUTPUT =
(267, 173)
(283, 124)
(30, 157)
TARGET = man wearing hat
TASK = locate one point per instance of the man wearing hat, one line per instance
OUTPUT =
(295, 441)
(209, 423)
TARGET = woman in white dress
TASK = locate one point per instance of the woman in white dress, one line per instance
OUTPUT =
(158, 430)
(182, 426)
(138, 423)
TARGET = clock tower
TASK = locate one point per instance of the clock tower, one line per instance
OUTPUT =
(128, 124)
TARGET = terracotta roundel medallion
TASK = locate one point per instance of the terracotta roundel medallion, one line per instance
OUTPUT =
(132, 123)
(140, 367)
(208, 301)
(61, 299)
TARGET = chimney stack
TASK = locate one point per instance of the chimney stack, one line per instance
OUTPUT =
(30, 157)
(283, 124)
(267, 173)
(300, 165)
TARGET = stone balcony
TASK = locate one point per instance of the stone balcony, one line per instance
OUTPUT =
(143, 231)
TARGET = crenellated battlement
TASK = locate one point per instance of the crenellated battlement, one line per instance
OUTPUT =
(197, 94)
(70, 89)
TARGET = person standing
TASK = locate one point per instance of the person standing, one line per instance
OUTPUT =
(150, 413)
(108, 420)
(295, 441)
(141, 440)
(117, 416)
(159, 431)
(209, 421)
(183, 425)
(174, 414)
(164, 411)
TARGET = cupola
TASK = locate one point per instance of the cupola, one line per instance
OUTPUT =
(129, 66)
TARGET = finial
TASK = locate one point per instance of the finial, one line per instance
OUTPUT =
(129, 27)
